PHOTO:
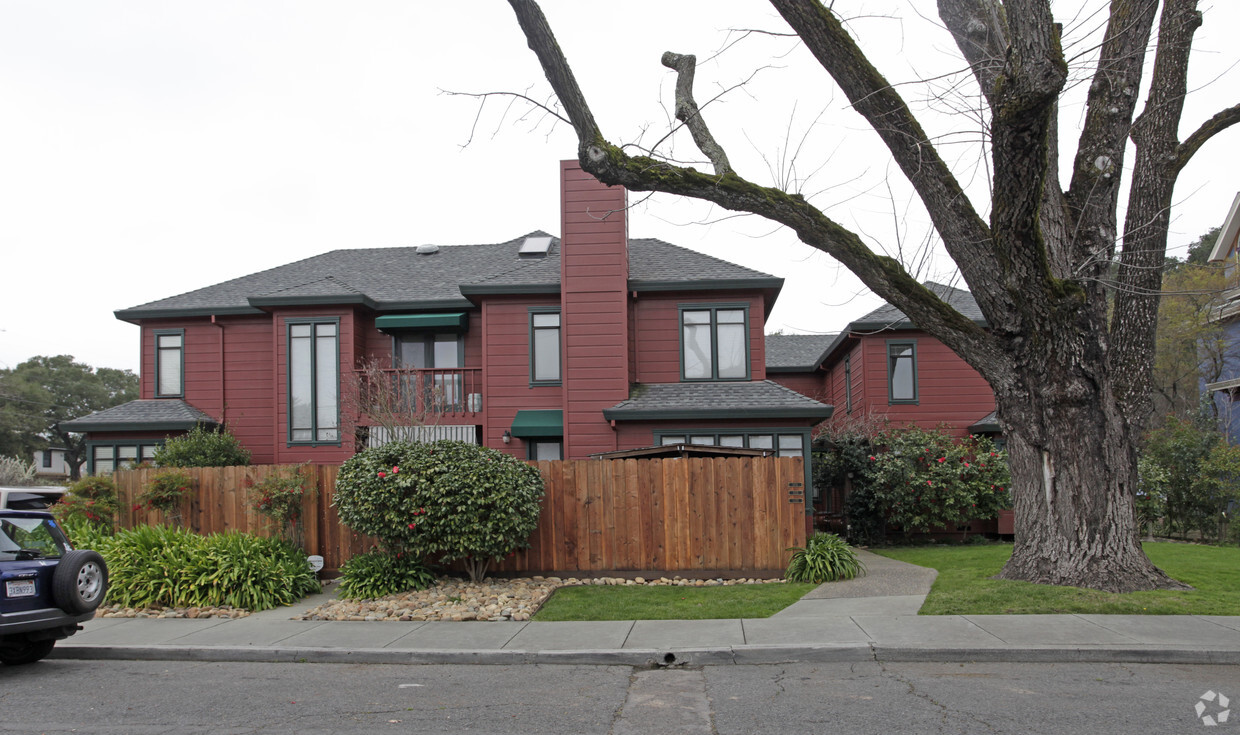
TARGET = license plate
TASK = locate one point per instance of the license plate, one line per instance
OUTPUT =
(21, 588)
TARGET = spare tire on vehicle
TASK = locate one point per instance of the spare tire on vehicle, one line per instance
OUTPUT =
(80, 581)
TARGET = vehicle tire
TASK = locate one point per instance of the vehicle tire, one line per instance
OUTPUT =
(80, 581)
(26, 653)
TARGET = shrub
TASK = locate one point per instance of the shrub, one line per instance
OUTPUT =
(202, 448)
(825, 558)
(380, 573)
(166, 492)
(445, 500)
(91, 500)
(15, 472)
(153, 566)
(926, 479)
(1189, 472)
(279, 497)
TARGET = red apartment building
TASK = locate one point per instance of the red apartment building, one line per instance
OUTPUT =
(542, 347)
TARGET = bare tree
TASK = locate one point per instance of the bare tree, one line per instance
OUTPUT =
(1071, 377)
(382, 404)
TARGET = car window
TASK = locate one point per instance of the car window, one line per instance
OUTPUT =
(28, 538)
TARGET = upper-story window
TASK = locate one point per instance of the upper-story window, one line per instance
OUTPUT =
(902, 372)
(170, 364)
(848, 383)
(545, 346)
(714, 343)
(314, 381)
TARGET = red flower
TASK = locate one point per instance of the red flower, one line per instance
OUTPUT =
(929, 483)
(382, 474)
(395, 470)
(413, 525)
(942, 459)
(871, 457)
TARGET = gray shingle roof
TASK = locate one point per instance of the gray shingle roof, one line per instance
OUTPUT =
(889, 317)
(401, 278)
(795, 353)
(732, 400)
(147, 414)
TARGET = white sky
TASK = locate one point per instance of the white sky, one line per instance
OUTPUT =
(152, 148)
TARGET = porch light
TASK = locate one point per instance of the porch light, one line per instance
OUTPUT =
(507, 437)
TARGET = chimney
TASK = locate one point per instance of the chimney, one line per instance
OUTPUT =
(594, 276)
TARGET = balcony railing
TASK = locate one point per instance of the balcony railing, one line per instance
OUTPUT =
(438, 394)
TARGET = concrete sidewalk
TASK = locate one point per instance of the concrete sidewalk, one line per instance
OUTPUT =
(868, 619)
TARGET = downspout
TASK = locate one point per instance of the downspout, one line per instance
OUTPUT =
(223, 396)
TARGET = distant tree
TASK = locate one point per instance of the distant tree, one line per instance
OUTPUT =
(43, 391)
(1189, 346)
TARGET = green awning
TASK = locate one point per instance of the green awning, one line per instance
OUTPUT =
(455, 321)
(538, 423)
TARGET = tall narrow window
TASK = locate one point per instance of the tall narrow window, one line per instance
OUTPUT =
(169, 364)
(545, 347)
(902, 372)
(47, 458)
(714, 344)
(314, 382)
(848, 383)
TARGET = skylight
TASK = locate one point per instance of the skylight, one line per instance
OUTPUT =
(538, 245)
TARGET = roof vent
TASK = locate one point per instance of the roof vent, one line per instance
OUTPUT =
(535, 245)
(427, 249)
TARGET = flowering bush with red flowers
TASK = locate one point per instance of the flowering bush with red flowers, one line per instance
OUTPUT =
(90, 501)
(280, 497)
(923, 479)
(167, 492)
(441, 501)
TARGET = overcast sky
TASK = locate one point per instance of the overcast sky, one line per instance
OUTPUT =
(153, 148)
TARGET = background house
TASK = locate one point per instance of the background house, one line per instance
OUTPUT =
(50, 463)
(1225, 391)
(542, 347)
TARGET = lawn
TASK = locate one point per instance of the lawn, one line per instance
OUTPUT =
(964, 584)
(640, 602)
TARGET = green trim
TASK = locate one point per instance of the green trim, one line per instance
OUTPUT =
(137, 426)
(451, 321)
(289, 323)
(891, 400)
(714, 308)
(612, 414)
(533, 310)
(157, 333)
(848, 398)
(538, 423)
(529, 446)
(503, 290)
(134, 315)
(720, 284)
(115, 443)
(327, 300)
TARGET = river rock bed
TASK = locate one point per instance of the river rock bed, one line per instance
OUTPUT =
(492, 600)
(118, 611)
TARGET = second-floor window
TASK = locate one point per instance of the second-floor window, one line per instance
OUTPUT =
(169, 364)
(544, 346)
(314, 382)
(902, 372)
(714, 343)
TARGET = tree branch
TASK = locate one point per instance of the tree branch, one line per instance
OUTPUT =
(981, 35)
(1215, 125)
(688, 113)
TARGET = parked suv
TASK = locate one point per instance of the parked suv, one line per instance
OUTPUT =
(46, 586)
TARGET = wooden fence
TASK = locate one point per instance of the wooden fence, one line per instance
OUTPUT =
(734, 514)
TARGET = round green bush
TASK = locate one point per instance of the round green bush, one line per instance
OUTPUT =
(380, 573)
(202, 448)
(445, 501)
(825, 558)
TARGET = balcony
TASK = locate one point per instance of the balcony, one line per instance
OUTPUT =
(428, 396)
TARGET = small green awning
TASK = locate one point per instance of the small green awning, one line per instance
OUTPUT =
(456, 321)
(538, 423)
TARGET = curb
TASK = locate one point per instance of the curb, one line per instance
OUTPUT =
(657, 658)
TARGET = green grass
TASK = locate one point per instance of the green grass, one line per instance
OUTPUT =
(670, 603)
(964, 584)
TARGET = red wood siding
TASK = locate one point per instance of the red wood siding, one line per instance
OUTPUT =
(594, 308)
(506, 369)
(249, 392)
(948, 390)
(656, 327)
(813, 385)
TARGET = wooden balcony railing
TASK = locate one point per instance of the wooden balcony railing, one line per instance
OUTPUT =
(437, 394)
